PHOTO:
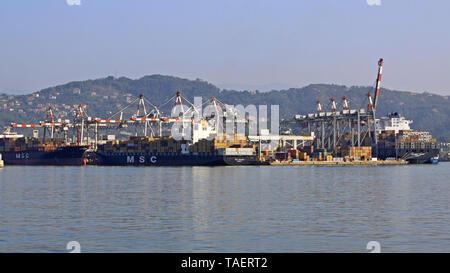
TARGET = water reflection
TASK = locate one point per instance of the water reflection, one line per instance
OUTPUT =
(224, 209)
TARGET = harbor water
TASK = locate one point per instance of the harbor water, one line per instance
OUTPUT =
(225, 209)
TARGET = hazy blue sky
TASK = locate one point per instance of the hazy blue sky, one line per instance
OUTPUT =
(227, 42)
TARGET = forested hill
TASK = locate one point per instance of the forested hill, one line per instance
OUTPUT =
(108, 95)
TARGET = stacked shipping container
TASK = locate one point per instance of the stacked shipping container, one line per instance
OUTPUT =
(30, 144)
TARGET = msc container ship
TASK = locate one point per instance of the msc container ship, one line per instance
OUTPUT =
(19, 150)
(166, 151)
(397, 140)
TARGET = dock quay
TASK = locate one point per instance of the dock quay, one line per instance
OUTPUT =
(340, 163)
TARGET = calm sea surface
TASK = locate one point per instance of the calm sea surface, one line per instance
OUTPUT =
(226, 209)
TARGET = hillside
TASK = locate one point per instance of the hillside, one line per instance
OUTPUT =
(105, 96)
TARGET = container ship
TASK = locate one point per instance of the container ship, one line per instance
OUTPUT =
(397, 140)
(19, 150)
(166, 151)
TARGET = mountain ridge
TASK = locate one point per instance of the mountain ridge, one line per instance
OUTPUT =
(104, 96)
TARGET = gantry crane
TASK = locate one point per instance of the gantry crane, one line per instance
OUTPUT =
(332, 128)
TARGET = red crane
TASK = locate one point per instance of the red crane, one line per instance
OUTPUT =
(378, 84)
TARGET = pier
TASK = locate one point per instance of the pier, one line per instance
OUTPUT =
(341, 164)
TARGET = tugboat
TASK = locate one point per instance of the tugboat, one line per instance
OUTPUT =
(435, 160)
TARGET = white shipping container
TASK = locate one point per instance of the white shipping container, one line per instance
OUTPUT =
(236, 151)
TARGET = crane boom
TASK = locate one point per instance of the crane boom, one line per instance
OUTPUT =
(378, 85)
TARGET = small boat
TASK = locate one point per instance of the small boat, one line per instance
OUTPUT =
(435, 160)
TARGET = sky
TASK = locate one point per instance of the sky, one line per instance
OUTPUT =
(230, 43)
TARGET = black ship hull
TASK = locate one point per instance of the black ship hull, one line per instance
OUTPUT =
(413, 156)
(173, 159)
(421, 157)
(62, 156)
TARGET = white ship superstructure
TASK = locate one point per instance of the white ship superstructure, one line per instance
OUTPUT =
(9, 134)
(393, 122)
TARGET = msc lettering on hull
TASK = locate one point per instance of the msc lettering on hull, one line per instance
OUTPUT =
(141, 159)
(22, 156)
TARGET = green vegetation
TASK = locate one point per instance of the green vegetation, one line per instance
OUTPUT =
(106, 96)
